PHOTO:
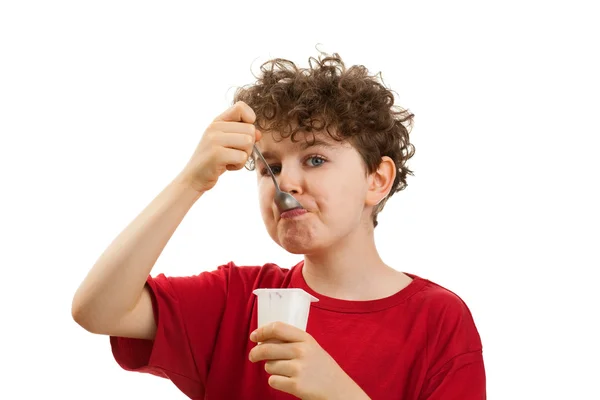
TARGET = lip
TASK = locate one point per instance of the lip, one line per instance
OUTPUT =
(296, 212)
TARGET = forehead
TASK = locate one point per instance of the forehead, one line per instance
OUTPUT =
(273, 144)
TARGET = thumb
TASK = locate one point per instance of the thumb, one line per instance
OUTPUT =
(239, 112)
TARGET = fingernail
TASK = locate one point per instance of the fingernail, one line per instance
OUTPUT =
(253, 336)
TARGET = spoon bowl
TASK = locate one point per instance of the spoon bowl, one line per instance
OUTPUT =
(283, 200)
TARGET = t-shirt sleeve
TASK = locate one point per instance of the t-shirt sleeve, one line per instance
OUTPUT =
(455, 353)
(462, 378)
(184, 307)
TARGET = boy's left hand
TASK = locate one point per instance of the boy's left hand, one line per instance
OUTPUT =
(299, 366)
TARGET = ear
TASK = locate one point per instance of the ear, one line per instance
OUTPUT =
(381, 181)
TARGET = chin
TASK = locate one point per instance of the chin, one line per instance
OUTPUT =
(301, 244)
(295, 248)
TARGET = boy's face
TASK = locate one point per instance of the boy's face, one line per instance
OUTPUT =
(328, 178)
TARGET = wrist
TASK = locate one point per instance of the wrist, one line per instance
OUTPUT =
(184, 185)
(351, 391)
(185, 188)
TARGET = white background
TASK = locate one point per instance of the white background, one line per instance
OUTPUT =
(102, 103)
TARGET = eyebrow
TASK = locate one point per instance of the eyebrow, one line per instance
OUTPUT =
(303, 146)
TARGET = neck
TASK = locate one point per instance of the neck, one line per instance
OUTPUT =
(350, 269)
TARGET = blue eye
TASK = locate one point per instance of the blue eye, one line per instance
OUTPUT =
(312, 161)
(315, 161)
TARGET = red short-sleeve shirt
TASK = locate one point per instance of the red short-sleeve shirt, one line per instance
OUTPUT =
(420, 343)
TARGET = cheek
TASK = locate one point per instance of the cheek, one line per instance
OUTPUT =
(345, 197)
(265, 200)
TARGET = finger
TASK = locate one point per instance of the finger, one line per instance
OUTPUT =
(233, 159)
(235, 127)
(283, 384)
(237, 141)
(239, 112)
(278, 330)
(281, 367)
(273, 351)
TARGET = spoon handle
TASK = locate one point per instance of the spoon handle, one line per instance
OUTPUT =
(268, 167)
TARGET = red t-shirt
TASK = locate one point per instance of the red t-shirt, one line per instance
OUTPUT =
(420, 343)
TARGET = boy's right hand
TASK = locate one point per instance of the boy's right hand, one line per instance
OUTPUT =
(225, 145)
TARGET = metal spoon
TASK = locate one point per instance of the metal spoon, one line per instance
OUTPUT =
(284, 201)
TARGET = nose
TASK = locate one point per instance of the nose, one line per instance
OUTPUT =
(290, 180)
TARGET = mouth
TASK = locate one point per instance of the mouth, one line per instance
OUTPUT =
(296, 212)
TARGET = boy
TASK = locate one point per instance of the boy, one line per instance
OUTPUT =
(337, 143)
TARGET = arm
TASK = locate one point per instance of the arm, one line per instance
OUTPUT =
(113, 299)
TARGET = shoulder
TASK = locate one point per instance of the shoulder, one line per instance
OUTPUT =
(209, 293)
(436, 299)
(225, 277)
(453, 340)
(449, 319)
(267, 274)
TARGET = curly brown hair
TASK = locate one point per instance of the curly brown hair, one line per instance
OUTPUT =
(347, 103)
